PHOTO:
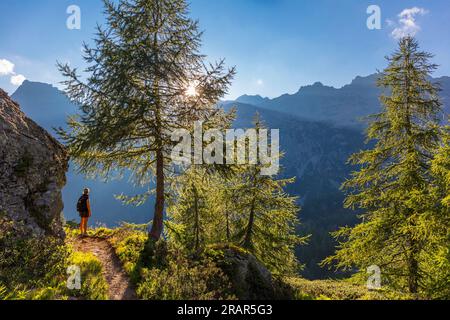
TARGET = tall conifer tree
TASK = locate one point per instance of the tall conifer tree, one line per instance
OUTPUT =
(392, 186)
(146, 78)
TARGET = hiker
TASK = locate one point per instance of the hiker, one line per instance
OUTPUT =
(84, 210)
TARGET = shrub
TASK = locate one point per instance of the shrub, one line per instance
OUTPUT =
(31, 267)
(12, 294)
(183, 279)
(30, 261)
(129, 245)
(162, 271)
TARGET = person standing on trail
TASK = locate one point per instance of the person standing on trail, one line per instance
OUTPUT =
(84, 210)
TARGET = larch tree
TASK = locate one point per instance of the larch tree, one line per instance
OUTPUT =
(145, 79)
(195, 208)
(441, 169)
(266, 220)
(437, 280)
(265, 217)
(392, 187)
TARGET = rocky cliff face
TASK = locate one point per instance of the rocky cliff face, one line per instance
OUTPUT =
(32, 173)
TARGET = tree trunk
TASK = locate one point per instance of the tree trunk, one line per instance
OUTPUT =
(227, 214)
(413, 279)
(413, 271)
(197, 220)
(248, 234)
(157, 226)
(413, 265)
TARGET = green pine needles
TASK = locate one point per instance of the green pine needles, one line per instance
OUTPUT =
(242, 208)
(403, 224)
(146, 79)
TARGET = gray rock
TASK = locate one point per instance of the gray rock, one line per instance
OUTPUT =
(251, 280)
(32, 172)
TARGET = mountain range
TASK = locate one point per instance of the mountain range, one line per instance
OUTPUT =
(342, 107)
(319, 126)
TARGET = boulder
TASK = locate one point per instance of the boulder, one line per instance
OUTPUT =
(33, 168)
(250, 279)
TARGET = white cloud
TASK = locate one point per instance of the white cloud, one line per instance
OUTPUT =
(6, 67)
(259, 82)
(17, 79)
(407, 23)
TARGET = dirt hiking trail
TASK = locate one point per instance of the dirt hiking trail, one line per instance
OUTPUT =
(120, 287)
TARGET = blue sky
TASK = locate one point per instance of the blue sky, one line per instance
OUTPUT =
(276, 45)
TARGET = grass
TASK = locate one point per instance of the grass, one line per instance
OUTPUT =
(93, 284)
(337, 290)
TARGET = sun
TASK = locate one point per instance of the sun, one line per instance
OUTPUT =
(191, 90)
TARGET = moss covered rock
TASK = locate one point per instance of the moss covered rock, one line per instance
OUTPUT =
(250, 279)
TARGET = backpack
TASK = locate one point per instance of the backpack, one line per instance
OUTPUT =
(82, 204)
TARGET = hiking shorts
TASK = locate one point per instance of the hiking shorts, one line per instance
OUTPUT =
(84, 214)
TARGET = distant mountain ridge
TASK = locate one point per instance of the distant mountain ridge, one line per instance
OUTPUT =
(342, 107)
(44, 103)
(252, 99)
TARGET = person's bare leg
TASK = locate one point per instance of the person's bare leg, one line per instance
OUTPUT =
(85, 225)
